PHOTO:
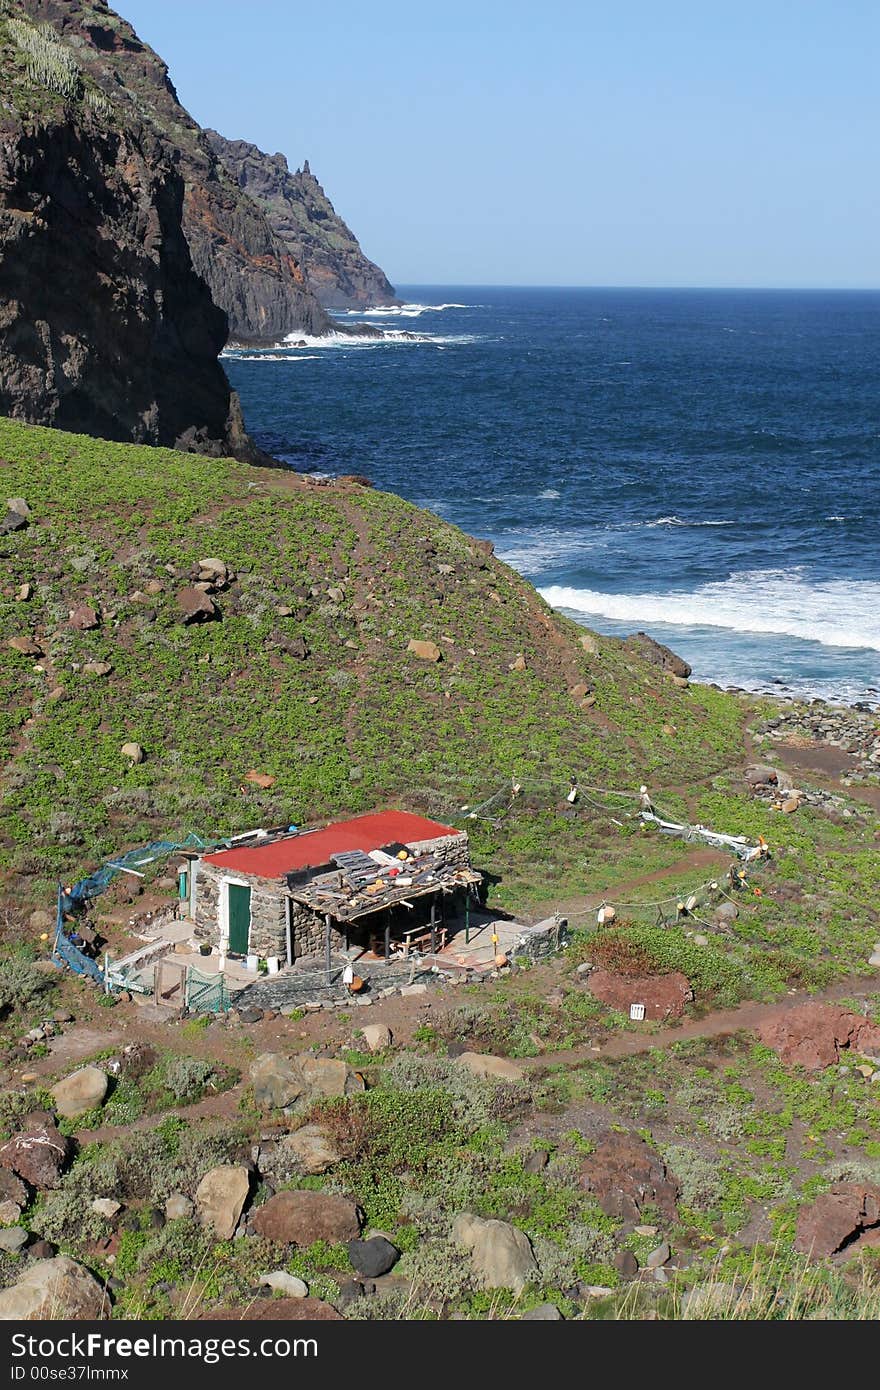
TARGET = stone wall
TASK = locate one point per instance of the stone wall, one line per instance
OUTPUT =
(452, 850)
(268, 934)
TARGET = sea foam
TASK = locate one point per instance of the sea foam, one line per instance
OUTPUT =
(836, 613)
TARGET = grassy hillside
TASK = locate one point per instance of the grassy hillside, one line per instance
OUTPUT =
(356, 722)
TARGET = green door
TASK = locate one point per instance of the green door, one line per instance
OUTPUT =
(239, 917)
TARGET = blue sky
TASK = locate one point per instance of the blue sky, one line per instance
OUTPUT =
(632, 142)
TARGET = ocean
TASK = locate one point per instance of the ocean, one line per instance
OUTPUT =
(703, 465)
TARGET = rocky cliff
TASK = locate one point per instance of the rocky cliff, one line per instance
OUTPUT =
(105, 327)
(304, 219)
(250, 272)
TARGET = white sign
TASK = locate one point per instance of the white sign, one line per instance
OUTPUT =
(637, 1012)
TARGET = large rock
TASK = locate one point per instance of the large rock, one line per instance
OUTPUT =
(54, 1289)
(425, 651)
(374, 1257)
(501, 1255)
(837, 1218)
(491, 1068)
(277, 1081)
(812, 1035)
(327, 1077)
(302, 1217)
(377, 1036)
(38, 1155)
(276, 1310)
(279, 1281)
(220, 1198)
(625, 1175)
(307, 1152)
(83, 618)
(658, 655)
(196, 605)
(80, 1092)
(26, 646)
(12, 1189)
(664, 996)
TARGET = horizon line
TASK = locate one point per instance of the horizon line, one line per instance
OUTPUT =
(700, 289)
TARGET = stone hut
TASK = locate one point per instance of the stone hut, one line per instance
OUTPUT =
(367, 882)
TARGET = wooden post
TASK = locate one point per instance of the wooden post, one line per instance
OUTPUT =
(467, 915)
(387, 935)
(327, 944)
(433, 926)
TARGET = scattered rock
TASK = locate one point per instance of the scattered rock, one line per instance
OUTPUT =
(726, 912)
(377, 1036)
(625, 1175)
(220, 1198)
(307, 1152)
(589, 644)
(133, 751)
(491, 1068)
(501, 1255)
(196, 605)
(84, 618)
(544, 1312)
(664, 996)
(407, 991)
(80, 1092)
(336, 595)
(24, 593)
(263, 780)
(19, 506)
(97, 668)
(626, 1264)
(42, 1250)
(518, 663)
(329, 1076)
(425, 651)
(277, 1310)
(13, 1239)
(26, 646)
(178, 1206)
(301, 1217)
(837, 1218)
(106, 1206)
(285, 1283)
(38, 1155)
(374, 1257)
(12, 521)
(10, 1211)
(214, 571)
(761, 775)
(659, 1256)
(54, 1289)
(812, 1035)
(40, 920)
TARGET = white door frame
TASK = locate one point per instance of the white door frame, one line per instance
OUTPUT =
(223, 915)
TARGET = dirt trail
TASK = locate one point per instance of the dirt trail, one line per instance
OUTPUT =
(695, 862)
(744, 1018)
(223, 1106)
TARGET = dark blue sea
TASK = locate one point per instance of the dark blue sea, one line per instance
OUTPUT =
(700, 464)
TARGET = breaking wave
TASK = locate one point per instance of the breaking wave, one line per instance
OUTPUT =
(404, 311)
(837, 613)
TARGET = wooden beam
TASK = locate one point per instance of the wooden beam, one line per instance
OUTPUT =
(433, 926)
(387, 937)
(327, 921)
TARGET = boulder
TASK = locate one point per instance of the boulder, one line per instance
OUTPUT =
(10, 1211)
(664, 996)
(658, 655)
(40, 920)
(301, 1217)
(518, 663)
(214, 571)
(425, 651)
(501, 1255)
(491, 1068)
(106, 1206)
(374, 1257)
(13, 1239)
(133, 751)
(277, 1081)
(307, 1152)
(812, 1035)
(544, 1312)
(837, 1218)
(660, 1255)
(329, 1076)
(12, 521)
(38, 1155)
(761, 774)
(220, 1198)
(626, 1264)
(80, 1092)
(54, 1289)
(277, 1310)
(281, 1282)
(377, 1036)
(196, 605)
(726, 912)
(625, 1174)
(263, 780)
(97, 668)
(26, 646)
(589, 644)
(19, 506)
(178, 1206)
(83, 618)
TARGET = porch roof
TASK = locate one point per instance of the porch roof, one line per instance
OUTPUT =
(330, 896)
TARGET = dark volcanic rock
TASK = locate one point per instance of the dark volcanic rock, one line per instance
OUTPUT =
(38, 1155)
(374, 1257)
(812, 1035)
(302, 1217)
(658, 654)
(626, 1175)
(302, 216)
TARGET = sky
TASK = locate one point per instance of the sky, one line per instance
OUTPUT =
(629, 142)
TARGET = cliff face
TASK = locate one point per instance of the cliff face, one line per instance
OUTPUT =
(251, 274)
(305, 220)
(104, 325)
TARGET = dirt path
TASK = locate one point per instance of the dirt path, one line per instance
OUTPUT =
(696, 861)
(223, 1106)
(744, 1018)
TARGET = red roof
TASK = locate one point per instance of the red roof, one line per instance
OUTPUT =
(314, 848)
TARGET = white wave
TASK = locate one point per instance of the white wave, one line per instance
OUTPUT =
(843, 518)
(391, 337)
(678, 521)
(838, 613)
(404, 311)
(549, 494)
(254, 355)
